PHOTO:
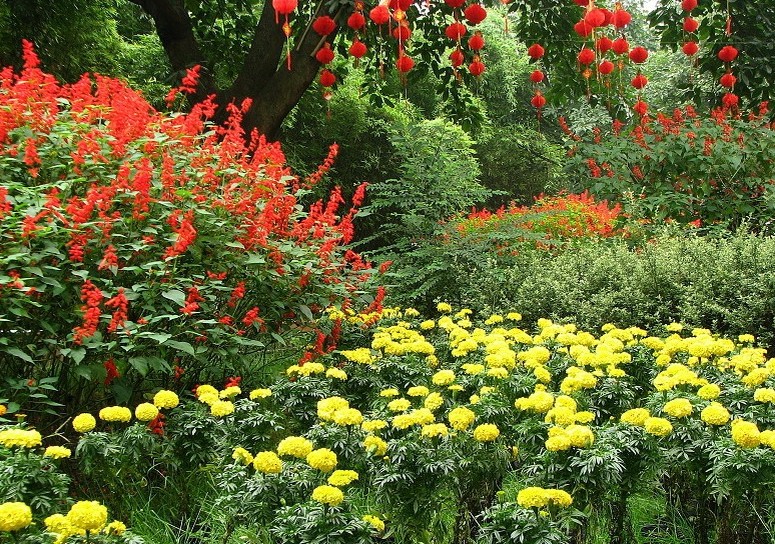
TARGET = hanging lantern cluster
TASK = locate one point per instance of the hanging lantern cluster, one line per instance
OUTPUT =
(537, 77)
(727, 55)
(285, 8)
(457, 31)
(324, 26)
(690, 26)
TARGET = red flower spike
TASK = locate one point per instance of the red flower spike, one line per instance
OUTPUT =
(327, 78)
(538, 101)
(690, 48)
(357, 49)
(595, 17)
(691, 25)
(324, 25)
(728, 80)
(583, 28)
(639, 54)
(605, 67)
(402, 32)
(688, 5)
(456, 31)
(537, 76)
(727, 53)
(456, 58)
(325, 54)
(380, 15)
(603, 44)
(404, 63)
(475, 14)
(621, 18)
(476, 68)
(639, 81)
(454, 4)
(535, 51)
(586, 56)
(640, 107)
(476, 42)
(620, 46)
(356, 20)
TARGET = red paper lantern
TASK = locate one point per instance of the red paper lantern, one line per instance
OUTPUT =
(356, 20)
(582, 3)
(475, 14)
(324, 25)
(325, 54)
(454, 4)
(586, 56)
(691, 25)
(727, 53)
(403, 5)
(456, 58)
(639, 81)
(640, 107)
(537, 76)
(357, 49)
(404, 63)
(690, 48)
(639, 54)
(535, 51)
(621, 18)
(603, 44)
(609, 16)
(284, 7)
(538, 101)
(327, 78)
(583, 28)
(476, 42)
(620, 46)
(402, 32)
(730, 100)
(456, 31)
(605, 67)
(476, 68)
(380, 15)
(728, 80)
(688, 5)
(595, 17)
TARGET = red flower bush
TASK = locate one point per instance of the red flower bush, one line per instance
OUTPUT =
(152, 239)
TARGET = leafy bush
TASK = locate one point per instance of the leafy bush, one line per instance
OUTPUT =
(134, 241)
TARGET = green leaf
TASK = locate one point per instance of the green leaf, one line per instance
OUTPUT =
(181, 346)
(16, 352)
(175, 295)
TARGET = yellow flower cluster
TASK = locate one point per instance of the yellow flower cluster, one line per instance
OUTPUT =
(260, 393)
(375, 522)
(342, 478)
(20, 438)
(57, 452)
(267, 462)
(83, 423)
(361, 356)
(322, 459)
(89, 516)
(745, 434)
(14, 516)
(222, 408)
(573, 436)
(715, 414)
(420, 416)
(328, 494)
(486, 432)
(538, 497)
(166, 399)
(120, 414)
(146, 411)
(295, 446)
(658, 426)
(678, 408)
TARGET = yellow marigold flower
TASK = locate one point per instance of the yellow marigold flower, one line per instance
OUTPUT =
(514, 316)
(208, 398)
(745, 434)
(428, 324)
(532, 497)
(498, 372)
(374, 425)
(205, 389)
(768, 438)
(375, 445)
(542, 374)
(116, 413)
(57, 452)
(418, 391)
(3, 410)
(558, 442)
(328, 407)
(57, 523)
(391, 392)
(432, 361)
(296, 446)
(678, 408)
(267, 462)
(455, 387)
(403, 421)
(322, 459)
(756, 377)
(764, 394)
(260, 393)
(311, 368)
(580, 436)
(341, 478)
(674, 327)
(433, 401)
(14, 516)
(410, 312)
(146, 411)
(241, 455)
(348, 416)
(88, 515)
(658, 426)
(399, 405)
(422, 416)
(166, 399)
(444, 307)
(584, 417)
(474, 399)
(222, 408)
(328, 494)
(20, 438)
(83, 423)
(635, 416)
(558, 497)
(560, 416)
(443, 377)
(375, 522)
(472, 369)
(709, 391)
(116, 528)
(493, 319)
(230, 392)
(715, 414)
(434, 430)
(359, 355)
(461, 418)
(541, 401)
(486, 432)
(336, 374)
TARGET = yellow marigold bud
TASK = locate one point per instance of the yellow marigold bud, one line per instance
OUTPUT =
(88, 515)
(20, 438)
(341, 478)
(295, 446)
(486, 432)
(222, 408)
(165, 399)
(375, 522)
(322, 459)
(715, 414)
(57, 452)
(267, 462)
(328, 494)
(14, 516)
(83, 423)
(120, 414)
(745, 434)
(146, 411)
